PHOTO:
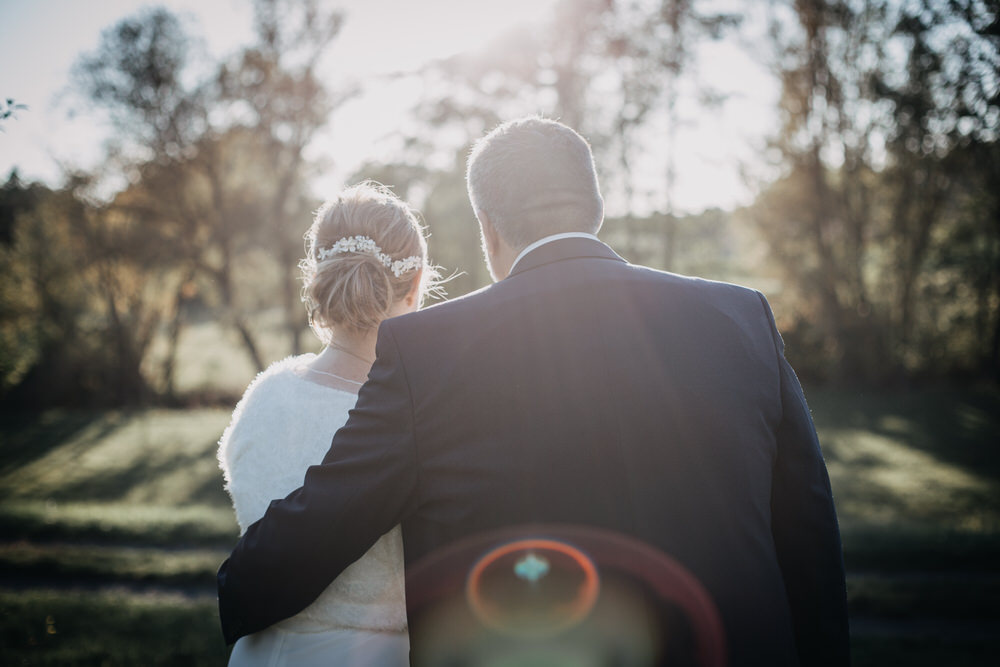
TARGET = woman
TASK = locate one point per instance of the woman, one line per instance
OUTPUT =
(366, 260)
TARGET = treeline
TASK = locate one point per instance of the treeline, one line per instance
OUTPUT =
(877, 237)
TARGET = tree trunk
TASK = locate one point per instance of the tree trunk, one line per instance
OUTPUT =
(990, 299)
(916, 241)
(237, 322)
(249, 343)
(832, 321)
(173, 336)
(224, 274)
(288, 254)
(292, 302)
(129, 386)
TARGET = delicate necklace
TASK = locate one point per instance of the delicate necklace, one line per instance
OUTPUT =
(346, 351)
(334, 375)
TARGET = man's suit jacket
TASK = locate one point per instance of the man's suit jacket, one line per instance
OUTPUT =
(584, 390)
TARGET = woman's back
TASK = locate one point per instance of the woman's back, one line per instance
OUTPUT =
(283, 425)
(366, 261)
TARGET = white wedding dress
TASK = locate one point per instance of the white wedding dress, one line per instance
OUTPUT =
(284, 424)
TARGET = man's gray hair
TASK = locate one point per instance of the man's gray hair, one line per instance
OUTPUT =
(533, 177)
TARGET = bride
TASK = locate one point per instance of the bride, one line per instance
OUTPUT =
(366, 260)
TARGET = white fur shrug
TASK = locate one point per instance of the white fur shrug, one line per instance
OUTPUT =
(284, 424)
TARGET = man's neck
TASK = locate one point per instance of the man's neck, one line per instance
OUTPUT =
(549, 239)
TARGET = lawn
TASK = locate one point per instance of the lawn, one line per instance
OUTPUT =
(112, 525)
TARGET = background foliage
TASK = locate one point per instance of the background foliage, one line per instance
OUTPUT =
(877, 238)
(165, 278)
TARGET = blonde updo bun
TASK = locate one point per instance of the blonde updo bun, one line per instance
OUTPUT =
(355, 290)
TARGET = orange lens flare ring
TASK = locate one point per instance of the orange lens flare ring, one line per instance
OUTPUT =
(563, 616)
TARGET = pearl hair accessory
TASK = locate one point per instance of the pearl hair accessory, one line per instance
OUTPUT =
(366, 246)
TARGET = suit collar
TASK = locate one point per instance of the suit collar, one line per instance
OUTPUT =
(563, 249)
(550, 239)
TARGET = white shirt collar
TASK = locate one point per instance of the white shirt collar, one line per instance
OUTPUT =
(549, 239)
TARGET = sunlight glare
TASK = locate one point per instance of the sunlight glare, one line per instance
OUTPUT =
(386, 35)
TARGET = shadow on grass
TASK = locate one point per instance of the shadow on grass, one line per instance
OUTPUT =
(119, 524)
(154, 457)
(29, 436)
(960, 427)
(193, 476)
(926, 460)
(26, 565)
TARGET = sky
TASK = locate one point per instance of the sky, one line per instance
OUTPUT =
(41, 39)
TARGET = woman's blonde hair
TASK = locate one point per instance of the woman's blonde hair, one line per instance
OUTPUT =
(355, 289)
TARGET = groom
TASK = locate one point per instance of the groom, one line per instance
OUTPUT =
(577, 389)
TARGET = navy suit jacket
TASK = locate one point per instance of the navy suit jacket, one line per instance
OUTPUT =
(581, 389)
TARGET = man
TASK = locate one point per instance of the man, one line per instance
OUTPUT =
(577, 389)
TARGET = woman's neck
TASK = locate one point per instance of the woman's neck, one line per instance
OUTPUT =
(345, 361)
(358, 344)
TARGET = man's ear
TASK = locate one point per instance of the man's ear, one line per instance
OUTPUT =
(489, 233)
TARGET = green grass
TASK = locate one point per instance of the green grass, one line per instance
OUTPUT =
(68, 562)
(41, 627)
(156, 457)
(918, 652)
(147, 477)
(119, 523)
(106, 500)
(948, 596)
(102, 512)
(922, 548)
(917, 460)
(211, 359)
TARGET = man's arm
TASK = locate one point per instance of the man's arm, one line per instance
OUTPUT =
(365, 485)
(805, 530)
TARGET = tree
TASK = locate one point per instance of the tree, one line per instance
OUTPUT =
(217, 164)
(945, 110)
(139, 77)
(124, 274)
(653, 48)
(875, 97)
(9, 109)
(606, 68)
(40, 296)
(80, 304)
(276, 82)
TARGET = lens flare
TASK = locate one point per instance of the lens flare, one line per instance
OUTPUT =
(556, 595)
(532, 588)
